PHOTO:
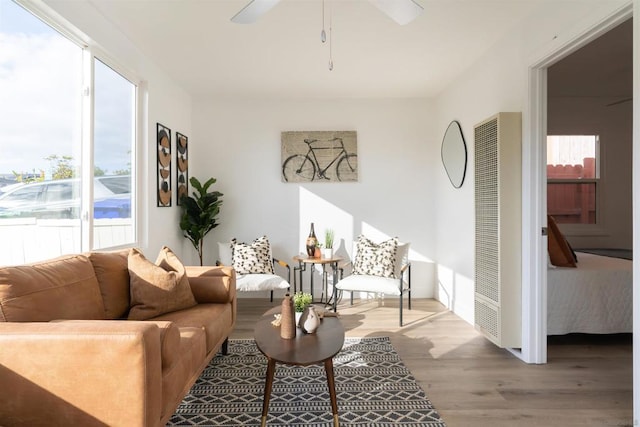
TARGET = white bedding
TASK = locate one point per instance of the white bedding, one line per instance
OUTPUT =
(595, 298)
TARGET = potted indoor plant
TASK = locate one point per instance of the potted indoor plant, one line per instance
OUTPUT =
(300, 301)
(199, 213)
(327, 251)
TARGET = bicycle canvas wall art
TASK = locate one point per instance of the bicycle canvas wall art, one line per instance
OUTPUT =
(319, 156)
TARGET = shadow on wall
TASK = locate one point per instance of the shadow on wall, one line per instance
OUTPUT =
(456, 292)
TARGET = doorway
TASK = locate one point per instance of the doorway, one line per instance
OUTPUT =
(589, 191)
(535, 194)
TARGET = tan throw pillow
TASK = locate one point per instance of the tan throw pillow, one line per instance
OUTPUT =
(157, 288)
(560, 253)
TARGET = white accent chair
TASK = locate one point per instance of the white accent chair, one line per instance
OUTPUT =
(397, 285)
(254, 282)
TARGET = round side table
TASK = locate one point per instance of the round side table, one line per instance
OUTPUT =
(303, 350)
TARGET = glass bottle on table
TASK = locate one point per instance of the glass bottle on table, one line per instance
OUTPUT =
(312, 242)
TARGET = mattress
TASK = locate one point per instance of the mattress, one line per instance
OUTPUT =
(595, 298)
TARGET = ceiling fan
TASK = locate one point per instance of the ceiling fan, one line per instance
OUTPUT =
(401, 11)
(622, 101)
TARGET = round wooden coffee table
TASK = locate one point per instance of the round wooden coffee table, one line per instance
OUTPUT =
(303, 350)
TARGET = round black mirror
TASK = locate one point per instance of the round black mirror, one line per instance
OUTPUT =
(454, 154)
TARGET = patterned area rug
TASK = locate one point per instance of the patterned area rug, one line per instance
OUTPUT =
(373, 386)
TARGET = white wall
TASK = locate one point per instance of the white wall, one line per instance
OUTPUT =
(497, 82)
(166, 103)
(238, 143)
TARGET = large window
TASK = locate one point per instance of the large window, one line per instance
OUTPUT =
(572, 178)
(114, 143)
(62, 188)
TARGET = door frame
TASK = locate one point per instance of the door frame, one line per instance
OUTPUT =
(534, 204)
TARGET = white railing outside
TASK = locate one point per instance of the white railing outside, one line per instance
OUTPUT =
(24, 240)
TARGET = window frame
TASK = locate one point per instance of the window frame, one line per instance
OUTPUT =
(94, 53)
(91, 52)
(596, 229)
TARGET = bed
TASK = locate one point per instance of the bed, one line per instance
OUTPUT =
(596, 297)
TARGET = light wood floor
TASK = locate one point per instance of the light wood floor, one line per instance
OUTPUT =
(471, 382)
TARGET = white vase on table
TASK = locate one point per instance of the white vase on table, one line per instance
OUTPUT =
(298, 315)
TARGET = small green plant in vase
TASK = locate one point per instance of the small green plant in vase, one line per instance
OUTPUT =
(327, 252)
(301, 300)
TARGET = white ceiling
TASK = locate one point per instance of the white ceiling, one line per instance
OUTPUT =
(281, 56)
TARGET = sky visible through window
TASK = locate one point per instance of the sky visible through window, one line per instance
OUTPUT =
(570, 149)
(40, 101)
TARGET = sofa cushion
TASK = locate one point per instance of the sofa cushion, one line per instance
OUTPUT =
(113, 277)
(214, 319)
(374, 284)
(61, 288)
(157, 288)
(260, 282)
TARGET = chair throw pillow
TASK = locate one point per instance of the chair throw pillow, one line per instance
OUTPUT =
(376, 259)
(157, 288)
(252, 258)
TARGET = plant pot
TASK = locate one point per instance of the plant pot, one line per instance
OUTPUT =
(327, 253)
(298, 314)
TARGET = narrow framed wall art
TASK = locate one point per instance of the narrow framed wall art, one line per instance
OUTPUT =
(163, 142)
(182, 169)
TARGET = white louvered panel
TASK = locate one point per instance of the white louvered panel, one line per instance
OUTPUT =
(497, 235)
(487, 255)
(488, 319)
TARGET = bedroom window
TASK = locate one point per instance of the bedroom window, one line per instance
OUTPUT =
(572, 178)
(68, 123)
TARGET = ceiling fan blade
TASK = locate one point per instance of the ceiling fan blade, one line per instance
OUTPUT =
(622, 101)
(401, 11)
(253, 10)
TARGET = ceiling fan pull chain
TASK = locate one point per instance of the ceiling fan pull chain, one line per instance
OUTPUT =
(323, 34)
(330, 40)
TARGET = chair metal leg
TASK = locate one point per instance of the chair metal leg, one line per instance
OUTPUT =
(272, 295)
(408, 290)
(409, 284)
(351, 297)
(335, 297)
(401, 297)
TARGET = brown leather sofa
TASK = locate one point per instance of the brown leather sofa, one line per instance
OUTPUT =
(69, 357)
